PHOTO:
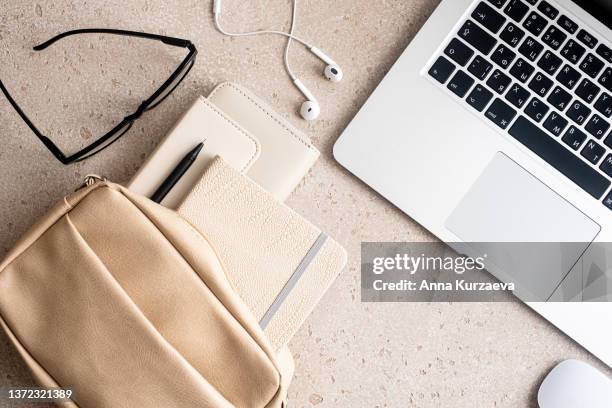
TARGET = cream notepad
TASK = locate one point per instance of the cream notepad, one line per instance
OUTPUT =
(241, 128)
(202, 122)
(286, 153)
(278, 262)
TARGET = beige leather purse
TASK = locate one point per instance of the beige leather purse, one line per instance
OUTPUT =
(126, 303)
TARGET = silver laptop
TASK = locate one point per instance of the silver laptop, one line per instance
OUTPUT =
(495, 125)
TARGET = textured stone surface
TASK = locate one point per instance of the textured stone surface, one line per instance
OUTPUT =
(348, 354)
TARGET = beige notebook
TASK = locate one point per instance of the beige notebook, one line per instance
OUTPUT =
(242, 129)
(278, 262)
(202, 122)
(286, 153)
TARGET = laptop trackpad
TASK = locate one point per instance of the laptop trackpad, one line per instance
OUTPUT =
(531, 235)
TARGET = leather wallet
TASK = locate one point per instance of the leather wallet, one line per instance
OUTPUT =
(202, 122)
(278, 262)
(286, 153)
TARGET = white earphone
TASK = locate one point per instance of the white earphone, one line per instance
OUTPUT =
(310, 109)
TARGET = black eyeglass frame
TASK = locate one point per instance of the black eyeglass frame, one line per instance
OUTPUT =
(88, 151)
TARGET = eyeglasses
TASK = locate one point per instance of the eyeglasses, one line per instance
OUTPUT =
(114, 134)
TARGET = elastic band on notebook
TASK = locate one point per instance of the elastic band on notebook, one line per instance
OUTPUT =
(293, 280)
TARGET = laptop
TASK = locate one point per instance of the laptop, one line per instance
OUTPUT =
(495, 125)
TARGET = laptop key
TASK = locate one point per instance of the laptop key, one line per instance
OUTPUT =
(559, 98)
(604, 52)
(442, 69)
(549, 62)
(604, 105)
(532, 2)
(606, 79)
(521, 70)
(549, 11)
(608, 140)
(535, 23)
(540, 84)
(573, 51)
(477, 37)
(591, 65)
(562, 159)
(606, 167)
(498, 3)
(587, 90)
(536, 109)
(488, 17)
(460, 83)
(503, 56)
(479, 97)
(554, 37)
(555, 123)
(608, 200)
(567, 24)
(597, 126)
(516, 10)
(512, 35)
(500, 113)
(593, 151)
(578, 112)
(568, 76)
(479, 67)
(586, 38)
(458, 52)
(574, 137)
(530, 48)
(498, 81)
(517, 95)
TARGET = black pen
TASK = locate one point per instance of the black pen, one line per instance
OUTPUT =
(176, 174)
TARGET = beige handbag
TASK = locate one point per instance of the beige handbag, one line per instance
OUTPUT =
(124, 302)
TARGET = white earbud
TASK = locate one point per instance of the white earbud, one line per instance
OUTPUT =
(333, 73)
(310, 109)
(332, 70)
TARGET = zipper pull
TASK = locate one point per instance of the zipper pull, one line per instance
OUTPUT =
(90, 180)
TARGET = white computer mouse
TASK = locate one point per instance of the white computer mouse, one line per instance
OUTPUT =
(575, 384)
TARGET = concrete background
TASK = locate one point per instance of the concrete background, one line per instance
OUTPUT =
(348, 353)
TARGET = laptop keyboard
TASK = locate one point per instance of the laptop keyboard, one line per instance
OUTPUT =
(534, 71)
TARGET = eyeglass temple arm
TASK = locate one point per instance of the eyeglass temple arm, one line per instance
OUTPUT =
(177, 42)
(44, 139)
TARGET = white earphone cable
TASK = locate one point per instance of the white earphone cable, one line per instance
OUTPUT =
(286, 58)
(310, 108)
(260, 32)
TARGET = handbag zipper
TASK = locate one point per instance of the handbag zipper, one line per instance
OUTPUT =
(90, 180)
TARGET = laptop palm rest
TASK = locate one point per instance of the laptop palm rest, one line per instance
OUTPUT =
(531, 235)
